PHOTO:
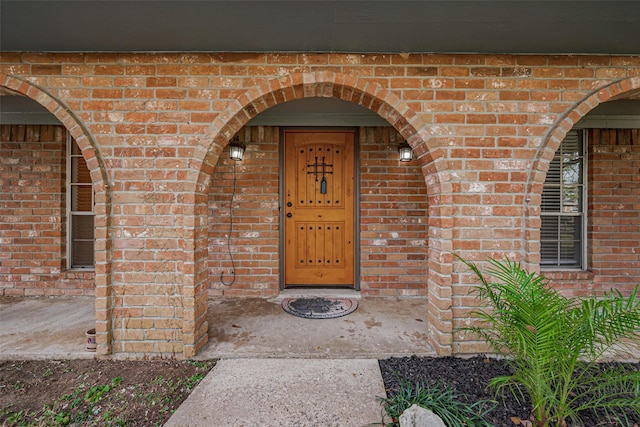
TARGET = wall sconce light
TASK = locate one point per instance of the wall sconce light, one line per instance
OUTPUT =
(406, 153)
(236, 148)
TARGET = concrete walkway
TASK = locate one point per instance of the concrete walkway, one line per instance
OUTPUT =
(285, 392)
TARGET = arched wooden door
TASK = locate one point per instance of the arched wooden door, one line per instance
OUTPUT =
(319, 208)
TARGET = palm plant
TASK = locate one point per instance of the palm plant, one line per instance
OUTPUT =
(554, 343)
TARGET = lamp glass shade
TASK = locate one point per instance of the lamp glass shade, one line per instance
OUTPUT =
(406, 153)
(236, 150)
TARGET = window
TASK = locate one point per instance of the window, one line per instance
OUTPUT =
(80, 214)
(562, 235)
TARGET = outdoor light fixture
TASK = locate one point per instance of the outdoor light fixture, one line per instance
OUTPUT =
(236, 151)
(236, 148)
(406, 153)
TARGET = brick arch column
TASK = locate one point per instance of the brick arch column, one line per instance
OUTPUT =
(370, 95)
(91, 154)
(538, 173)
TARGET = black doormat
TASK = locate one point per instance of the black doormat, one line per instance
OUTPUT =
(319, 307)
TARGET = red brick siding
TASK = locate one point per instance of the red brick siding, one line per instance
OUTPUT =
(152, 126)
(394, 214)
(32, 214)
(254, 242)
(614, 207)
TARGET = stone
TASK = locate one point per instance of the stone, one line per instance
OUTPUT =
(417, 416)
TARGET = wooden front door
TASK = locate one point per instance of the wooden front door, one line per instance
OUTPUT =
(319, 201)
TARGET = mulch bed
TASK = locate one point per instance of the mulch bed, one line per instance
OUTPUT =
(469, 377)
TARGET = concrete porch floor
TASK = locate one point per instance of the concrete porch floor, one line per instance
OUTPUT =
(259, 328)
(45, 327)
(54, 328)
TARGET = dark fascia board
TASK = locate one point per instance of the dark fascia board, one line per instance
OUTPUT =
(478, 26)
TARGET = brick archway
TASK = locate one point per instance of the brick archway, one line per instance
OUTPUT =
(103, 256)
(370, 95)
(538, 173)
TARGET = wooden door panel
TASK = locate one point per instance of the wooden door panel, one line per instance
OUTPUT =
(320, 243)
(319, 208)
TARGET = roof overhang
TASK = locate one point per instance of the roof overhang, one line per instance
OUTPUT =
(479, 26)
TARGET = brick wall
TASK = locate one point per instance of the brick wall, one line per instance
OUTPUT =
(614, 208)
(152, 128)
(32, 214)
(394, 214)
(254, 242)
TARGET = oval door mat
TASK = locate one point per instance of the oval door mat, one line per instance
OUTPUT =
(319, 307)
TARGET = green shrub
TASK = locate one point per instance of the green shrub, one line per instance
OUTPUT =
(553, 344)
(441, 400)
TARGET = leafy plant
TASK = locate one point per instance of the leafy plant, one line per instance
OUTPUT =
(95, 393)
(441, 400)
(193, 380)
(15, 418)
(63, 418)
(554, 344)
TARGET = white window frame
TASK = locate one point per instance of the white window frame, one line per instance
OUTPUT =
(71, 213)
(582, 215)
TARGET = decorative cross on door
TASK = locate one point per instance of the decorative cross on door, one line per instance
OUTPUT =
(320, 169)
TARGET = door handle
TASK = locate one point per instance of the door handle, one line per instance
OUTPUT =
(289, 215)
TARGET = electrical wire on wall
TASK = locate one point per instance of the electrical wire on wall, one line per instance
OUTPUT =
(233, 266)
(236, 151)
